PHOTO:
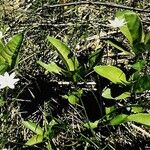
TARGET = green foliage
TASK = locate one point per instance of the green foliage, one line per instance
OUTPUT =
(133, 29)
(107, 94)
(138, 41)
(142, 118)
(69, 60)
(74, 96)
(141, 83)
(49, 131)
(147, 39)
(138, 82)
(112, 73)
(118, 45)
(94, 58)
(139, 65)
(34, 140)
(91, 125)
(38, 138)
(9, 52)
(73, 70)
(44, 134)
(65, 54)
(118, 119)
(137, 109)
(128, 105)
(53, 67)
(73, 99)
(33, 127)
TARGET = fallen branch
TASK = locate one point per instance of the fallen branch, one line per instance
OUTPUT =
(112, 5)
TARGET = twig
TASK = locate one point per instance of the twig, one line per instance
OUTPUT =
(141, 130)
(113, 5)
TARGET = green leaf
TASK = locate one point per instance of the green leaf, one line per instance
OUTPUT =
(14, 44)
(141, 84)
(133, 29)
(65, 54)
(95, 58)
(108, 111)
(73, 96)
(48, 146)
(78, 92)
(52, 123)
(122, 118)
(107, 94)
(2, 60)
(147, 38)
(12, 49)
(137, 109)
(33, 127)
(123, 96)
(5, 57)
(140, 48)
(112, 73)
(139, 65)
(9, 53)
(73, 99)
(142, 118)
(91, 125)
(2, 46)
(34, 140)
(49, 133)
(3, 68)
(118, 45)
(52, 68)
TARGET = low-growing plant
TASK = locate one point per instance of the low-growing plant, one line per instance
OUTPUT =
(9, 52)
(136, 46)
(139, 80)
(43, 134)
(138, 43)
(72, 70)
(80, 76)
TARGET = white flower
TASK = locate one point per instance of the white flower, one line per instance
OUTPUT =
(8, 80)
(117, 22)
(148, 28)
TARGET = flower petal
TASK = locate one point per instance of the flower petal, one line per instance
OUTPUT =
(117, 22)
(12, 75)
(8, 80)
(6, 75)
(2, 86)
(11, 86)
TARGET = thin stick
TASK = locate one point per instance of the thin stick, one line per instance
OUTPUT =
(113, 5)
(141, 130)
